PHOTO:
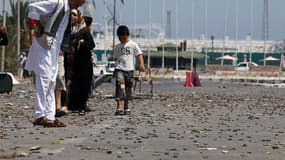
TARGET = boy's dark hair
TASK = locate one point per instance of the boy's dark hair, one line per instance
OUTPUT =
(88, 20)
(123, 31)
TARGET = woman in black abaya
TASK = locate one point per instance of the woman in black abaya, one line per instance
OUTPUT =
(83, 44)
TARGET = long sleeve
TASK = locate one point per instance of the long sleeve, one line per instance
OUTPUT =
(88, 42)
(35, 10)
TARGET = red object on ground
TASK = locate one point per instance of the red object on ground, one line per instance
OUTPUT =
(195, 79)
(32, 23)
(188, 82)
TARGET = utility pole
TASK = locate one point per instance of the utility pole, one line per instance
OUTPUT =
(18, 29)
(265, 26)
(135, 19)
(206, 32)
(168, 24)
(251, 30)
(237, 29)
(163, 38)
(192, 36)
(225, 30)
(149, 34)
(106, 28)
(176, 32)
(114, 25)
(3, 47)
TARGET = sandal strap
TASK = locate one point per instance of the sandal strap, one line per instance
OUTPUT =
(59, 123)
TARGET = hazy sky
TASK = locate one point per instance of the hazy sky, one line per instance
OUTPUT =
(216, 16)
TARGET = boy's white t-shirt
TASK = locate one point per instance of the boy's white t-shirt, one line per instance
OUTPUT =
(125, 54)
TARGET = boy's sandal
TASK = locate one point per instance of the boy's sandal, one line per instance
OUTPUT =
(119, 113)
(127, 112)
(64, 109)
(60, 113)
(59, 123)
(82, 113)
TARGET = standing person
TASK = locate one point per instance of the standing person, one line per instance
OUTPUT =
(92, 87)
(60, 86)
(51, 19)
(124, 55)
(21, 64)
(83, 69)
(77, 24)
(3, 37)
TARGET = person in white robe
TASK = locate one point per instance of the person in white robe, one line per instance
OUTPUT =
(43, 62)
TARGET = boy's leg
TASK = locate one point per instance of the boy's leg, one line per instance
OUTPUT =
(120, 90)
(129, 79)
(126, 107)
(58, 100)
(60, 83)
(119, 105)
(41, 84)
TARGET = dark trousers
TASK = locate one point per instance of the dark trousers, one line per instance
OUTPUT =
(80, 88)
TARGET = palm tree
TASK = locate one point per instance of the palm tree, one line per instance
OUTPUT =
(11, 50)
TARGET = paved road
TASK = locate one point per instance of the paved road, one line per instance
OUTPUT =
(217, 121)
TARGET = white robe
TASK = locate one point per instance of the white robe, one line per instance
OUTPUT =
(44, 62)
(41, 61)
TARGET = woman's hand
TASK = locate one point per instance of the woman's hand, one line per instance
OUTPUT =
(79, 43)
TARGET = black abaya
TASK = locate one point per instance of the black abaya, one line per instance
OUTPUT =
(82, 72)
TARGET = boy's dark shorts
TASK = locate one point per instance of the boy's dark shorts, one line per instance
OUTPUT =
(127, 78)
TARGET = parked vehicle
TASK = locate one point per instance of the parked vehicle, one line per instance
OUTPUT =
(99, 69)
(245, 66)
(111, 66)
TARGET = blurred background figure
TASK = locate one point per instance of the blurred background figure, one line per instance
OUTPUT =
(21, 64)
(3, 37)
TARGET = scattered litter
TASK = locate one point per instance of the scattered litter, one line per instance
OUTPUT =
(225, 151)
(156, 154)
(23, 154)
(35, 148)
(9, 104)
(210, 149)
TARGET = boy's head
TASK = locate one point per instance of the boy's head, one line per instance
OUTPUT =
(123, 33)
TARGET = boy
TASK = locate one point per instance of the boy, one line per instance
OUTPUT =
(124, 55)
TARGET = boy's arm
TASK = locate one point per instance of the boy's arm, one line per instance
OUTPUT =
(141, 62)
(139, 54)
